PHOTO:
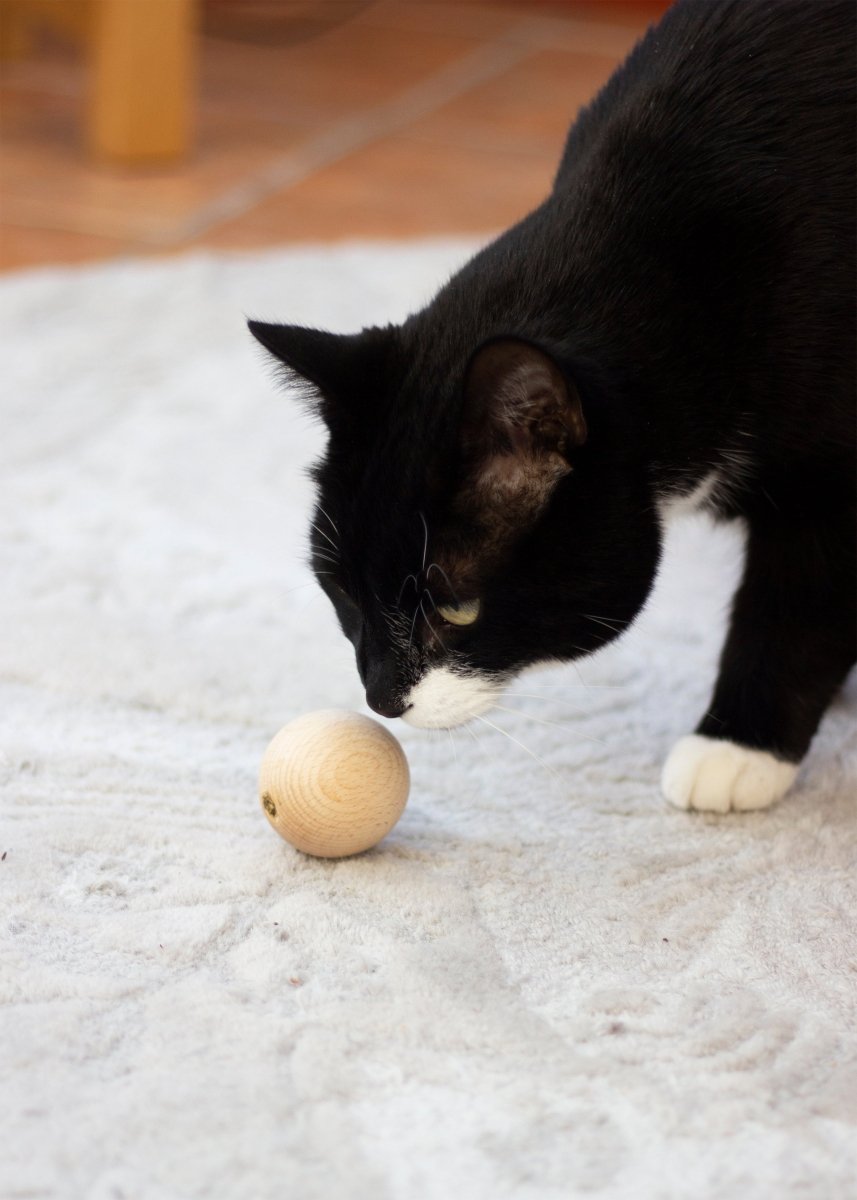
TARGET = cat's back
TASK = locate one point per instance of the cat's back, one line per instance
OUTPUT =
(721, 89)
(706, 199)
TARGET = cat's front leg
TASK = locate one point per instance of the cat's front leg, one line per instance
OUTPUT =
(791, 643)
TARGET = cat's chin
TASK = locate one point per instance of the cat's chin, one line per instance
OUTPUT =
(444, 698)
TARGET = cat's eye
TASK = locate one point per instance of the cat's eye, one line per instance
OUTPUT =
(461, 614)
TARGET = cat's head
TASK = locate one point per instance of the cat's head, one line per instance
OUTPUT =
(471, 521)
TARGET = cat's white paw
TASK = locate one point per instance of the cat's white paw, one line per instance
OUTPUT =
(714, 775)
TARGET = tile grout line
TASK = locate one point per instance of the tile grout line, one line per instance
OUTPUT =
(502, 52)
(354, 133)
(544, 32)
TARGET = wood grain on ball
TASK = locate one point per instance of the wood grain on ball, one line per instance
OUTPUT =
(333, 783)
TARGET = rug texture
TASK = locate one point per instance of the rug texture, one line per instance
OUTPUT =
(544, 984)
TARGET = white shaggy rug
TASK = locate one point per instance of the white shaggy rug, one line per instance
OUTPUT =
(544, 984)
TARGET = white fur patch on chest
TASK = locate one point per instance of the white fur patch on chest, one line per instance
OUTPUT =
(443, 698)
(716, 488)
(681, 504)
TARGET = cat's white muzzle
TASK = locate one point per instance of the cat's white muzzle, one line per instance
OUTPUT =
(443, 698)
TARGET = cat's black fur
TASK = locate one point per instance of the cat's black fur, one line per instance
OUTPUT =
(682, 302)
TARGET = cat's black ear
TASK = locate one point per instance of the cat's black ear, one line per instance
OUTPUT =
(521, 423)
(338, 366)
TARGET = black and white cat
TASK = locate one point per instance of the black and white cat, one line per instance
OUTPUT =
(675, 322)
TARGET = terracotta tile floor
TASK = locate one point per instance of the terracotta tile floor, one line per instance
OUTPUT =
(349, 119)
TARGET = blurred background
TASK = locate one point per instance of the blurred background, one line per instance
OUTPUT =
(146, 127)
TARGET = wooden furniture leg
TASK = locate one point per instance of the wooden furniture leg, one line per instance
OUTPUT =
(142, 79)
(14, 34)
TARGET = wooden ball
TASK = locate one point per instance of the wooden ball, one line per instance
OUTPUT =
(333, 783)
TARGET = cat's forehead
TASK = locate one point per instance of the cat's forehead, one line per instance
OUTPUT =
(386, 552)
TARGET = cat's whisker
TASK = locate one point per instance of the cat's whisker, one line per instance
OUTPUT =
(434, 606)
(552, 698)
(404, 585)
(569, 683)
(603, 621)
(385, 612)
(330, 518)
(413, 625)
(579, 675)
(431, 627)
(452, 739)
(313, 599)
(425, 543)
(309, 583)
(548, 699)
(311, 567)
(437, 567)
(531, 753)
(519, 712)
(326, 536)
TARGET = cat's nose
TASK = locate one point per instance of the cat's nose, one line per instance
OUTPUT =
(386, 706)
(384, 687)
